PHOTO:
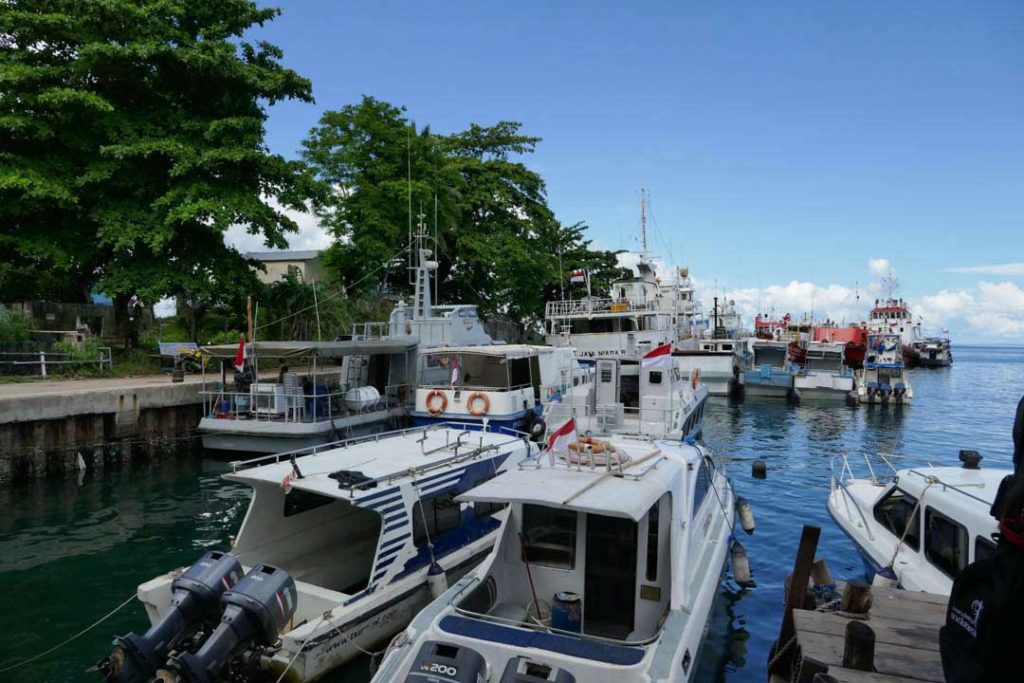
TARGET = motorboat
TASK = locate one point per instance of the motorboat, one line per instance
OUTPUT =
(824, 375)
(892, 316)
(934, 352)
(884, 378)
(609, 558)
(366, 528)
(721, 355)
(771, 373)
(924, 523)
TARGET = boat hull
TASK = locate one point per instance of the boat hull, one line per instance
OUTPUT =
(259, 436)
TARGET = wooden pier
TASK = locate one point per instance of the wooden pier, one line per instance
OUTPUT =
(856, 633)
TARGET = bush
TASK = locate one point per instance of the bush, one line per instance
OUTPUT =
(87, 355)
(14, 327)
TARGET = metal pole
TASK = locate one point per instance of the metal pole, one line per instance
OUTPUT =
(316, 306)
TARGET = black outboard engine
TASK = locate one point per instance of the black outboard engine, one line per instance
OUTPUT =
(195, 601)
(256, 609)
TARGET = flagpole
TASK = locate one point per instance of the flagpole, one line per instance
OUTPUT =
(561, 275)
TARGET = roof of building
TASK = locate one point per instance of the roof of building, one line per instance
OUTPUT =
(284, 255)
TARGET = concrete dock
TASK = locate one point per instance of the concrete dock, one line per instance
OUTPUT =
(46, 425)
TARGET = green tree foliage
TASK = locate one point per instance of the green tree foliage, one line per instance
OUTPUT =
(14, 326)
(498, 241)
(131, 138)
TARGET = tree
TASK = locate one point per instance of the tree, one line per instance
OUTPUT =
(131, 138)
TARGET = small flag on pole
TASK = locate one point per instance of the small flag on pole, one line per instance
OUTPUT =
(578, 277)
(657, 357)
(563, 436)
(241, 354)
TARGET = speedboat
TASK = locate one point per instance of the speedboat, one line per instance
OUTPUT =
(608, 561)
(923, 523)
(884, 378)
(368, 530)
(935, 352)
(824, 375)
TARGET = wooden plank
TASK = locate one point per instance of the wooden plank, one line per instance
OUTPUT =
(852, 676)
(894, 660)
(905, 633)
(900, 594)
(901, 610)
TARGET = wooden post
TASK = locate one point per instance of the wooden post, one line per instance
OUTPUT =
(820, 573)
(797, 594)
(859, 647)
(248, 317)
(857, 597)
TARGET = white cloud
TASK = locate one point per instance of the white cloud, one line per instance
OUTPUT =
(309, 236)
(1001, 269)
(833, 301)
(879, 267)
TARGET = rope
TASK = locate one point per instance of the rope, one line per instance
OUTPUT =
(910, 522)
(323, 617)
(781, 653)
(81, 633)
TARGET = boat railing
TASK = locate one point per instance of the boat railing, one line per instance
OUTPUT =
(574, 307)
(272, 402)
(615, 418)
(367, 331)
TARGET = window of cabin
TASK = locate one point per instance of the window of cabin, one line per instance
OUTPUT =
(946, 543)
(433, 516)
(893, 512)
(550, 536)
(298, 501)
(983, 548)
(652, 542)
(654, 377)
(703, 485)
(519, 372)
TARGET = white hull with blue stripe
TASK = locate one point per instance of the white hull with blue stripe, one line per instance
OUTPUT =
(359, 531)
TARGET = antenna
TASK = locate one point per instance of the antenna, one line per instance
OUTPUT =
(408, 182)
(643, 221)
(437, 249)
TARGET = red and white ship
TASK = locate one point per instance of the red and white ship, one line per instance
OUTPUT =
(892, 316)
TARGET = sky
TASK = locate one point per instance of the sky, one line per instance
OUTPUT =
(794, 152)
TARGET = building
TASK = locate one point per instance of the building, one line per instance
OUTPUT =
(308, 264)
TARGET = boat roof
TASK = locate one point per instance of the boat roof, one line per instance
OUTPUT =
(506, 350)
(981, 483)
(406, 454)
(330, 349)
(583, 489)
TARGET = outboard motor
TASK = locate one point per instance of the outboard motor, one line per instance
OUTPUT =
(195, 601)
(255, 610)
(445, 661)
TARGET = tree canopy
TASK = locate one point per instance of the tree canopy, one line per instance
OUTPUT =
(499, 243)
(131, 138)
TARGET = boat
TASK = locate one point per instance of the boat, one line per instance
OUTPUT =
(824, 374)
(506, 385)
(893, 316)
(934, 352)
(366, 529)
(854, 337)
(721, 355)
(607, 563)
(884, 378)
(771, 373)
(923, 523)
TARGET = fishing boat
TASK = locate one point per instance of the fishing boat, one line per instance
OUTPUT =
(884, 378)
(506, 385)
(721, 356)
(368, 530)
(771, 373)
(824, 374)
(922, 523)
(854, 337)
(607, 562)
(934, 352)
(893, 316)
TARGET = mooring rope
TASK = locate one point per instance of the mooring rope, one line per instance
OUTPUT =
(81, 633)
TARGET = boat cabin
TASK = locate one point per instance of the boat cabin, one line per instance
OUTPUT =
(826, 357)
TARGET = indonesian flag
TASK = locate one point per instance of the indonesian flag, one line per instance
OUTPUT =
(563, 436)
(241, 354)
(455, 370)
(657, 357)
(286, 483)
(578, 276)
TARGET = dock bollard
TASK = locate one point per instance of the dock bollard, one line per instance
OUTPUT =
(859, 647)
(759, 470)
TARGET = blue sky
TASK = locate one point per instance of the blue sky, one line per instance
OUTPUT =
(786, 142)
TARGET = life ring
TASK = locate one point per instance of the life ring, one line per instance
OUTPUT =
(471, 403)
(588, 444)
(695, 377)
(432, 406)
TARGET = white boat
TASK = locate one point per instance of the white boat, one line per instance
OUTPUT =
(606, 567)
(720, 363)
(925, 523)
(884, 378)
(934, 352)
(771, 373)
(359, 525)
(824, 374)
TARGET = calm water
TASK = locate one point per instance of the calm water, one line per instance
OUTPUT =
(69, 553)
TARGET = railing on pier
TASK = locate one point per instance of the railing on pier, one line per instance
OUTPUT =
(47, 361)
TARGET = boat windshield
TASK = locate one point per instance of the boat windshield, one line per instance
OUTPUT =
(474, 370)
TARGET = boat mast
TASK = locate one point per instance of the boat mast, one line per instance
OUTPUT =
(643, 221)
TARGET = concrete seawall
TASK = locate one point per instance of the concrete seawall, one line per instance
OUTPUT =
(45, 426)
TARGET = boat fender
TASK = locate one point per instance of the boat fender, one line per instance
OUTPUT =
(759, 469)
(746, 515)
(885, 578)
(741, 565)
(695, 378)
(436, 408)
(537, 429)
(437, 580)
(477, 409)
(793, 396)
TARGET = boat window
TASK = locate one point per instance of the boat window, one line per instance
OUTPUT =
(654, 377)
(893, 512)
(704, 474)
(652, 542)
(945, 542)
(727, 347)
(550, 536)
(433, 516)
(983, 548)
(519, 372)
(298, 501)
(606, 373)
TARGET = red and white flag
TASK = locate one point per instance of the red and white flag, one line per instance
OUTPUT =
(563, 436)
(578, 276)
(657, 357)
(455, 370)
(241, 354)
(286, 483)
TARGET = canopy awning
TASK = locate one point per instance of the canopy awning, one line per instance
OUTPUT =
(332, 349)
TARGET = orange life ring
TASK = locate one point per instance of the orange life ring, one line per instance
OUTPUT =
(585, 443)
(470, 402)
(432, 405)
(695, 377)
